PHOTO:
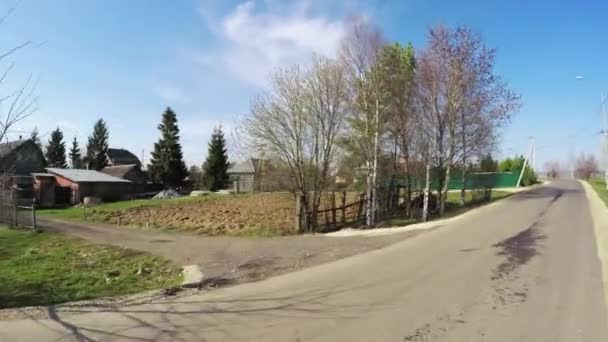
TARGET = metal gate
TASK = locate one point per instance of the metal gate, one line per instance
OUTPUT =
(16, 212)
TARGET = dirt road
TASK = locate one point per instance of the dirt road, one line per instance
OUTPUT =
(524, 270)
(229, 260)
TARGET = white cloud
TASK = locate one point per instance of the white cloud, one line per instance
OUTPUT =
(171, 94)
(258, 40)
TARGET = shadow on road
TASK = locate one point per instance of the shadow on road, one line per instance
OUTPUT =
(188, 318)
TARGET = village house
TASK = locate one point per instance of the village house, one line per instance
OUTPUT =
(130, 172)
(18, 159)
(260, 175)
(125, 165)
(119, 156)
(21, 158)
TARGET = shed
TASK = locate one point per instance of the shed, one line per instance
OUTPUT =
(73, 185)
(44, 189)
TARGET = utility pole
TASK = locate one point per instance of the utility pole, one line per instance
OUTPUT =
(533, 153)
(605, 140)
(523, 169)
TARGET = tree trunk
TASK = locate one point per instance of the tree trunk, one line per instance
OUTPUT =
(464, 160)
(368, 204)
(427, 189)
(444, 191)
(375, 168)
(408, 190)
(463, 188)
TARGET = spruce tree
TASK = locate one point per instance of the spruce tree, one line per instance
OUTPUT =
(35, 137)
(215, 168)
(167, 165)
(75, 155)
(55, 150)
(97, 146)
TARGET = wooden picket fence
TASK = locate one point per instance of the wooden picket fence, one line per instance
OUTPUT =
(337, 212)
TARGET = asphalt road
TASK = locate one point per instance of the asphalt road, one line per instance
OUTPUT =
(525, 269)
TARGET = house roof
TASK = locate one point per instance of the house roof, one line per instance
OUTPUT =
(119, 156)
(247, 166)
(41, 174)
(119, 171)
(9, 147)
(85, 176)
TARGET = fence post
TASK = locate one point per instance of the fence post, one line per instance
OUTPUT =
(15, 208)
(344, 207)
(333, 210)
(34, 225)
(235, 184)
(360, 209)
(84, 212)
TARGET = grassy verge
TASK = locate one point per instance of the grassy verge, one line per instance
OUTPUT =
(453, 207)
(47, 268)
(599, 185)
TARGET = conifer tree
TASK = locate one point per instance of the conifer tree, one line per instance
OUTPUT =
(97, 146)
(55, 150)
(215, 168)
(167, 165)
(75, 155)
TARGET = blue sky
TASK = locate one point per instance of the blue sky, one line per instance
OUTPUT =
(126, 61)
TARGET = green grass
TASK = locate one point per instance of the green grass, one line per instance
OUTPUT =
(77, 213)
(453, 207)
(599, 185)
(48, 268)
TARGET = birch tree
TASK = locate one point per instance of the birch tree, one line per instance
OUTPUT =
(359, 53)
(465, 98)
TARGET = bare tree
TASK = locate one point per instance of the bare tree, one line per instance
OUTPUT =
(463, 96)
(552, 168)
(298, 122)
(20, 102)
(359, 53)
(585, 166)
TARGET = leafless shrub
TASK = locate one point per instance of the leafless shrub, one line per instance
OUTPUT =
(552, 168)
(585, 166)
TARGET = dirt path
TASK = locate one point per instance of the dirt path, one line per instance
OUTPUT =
(227, 259)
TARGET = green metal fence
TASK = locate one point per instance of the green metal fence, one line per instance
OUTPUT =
(492, 180)
(485, 180)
